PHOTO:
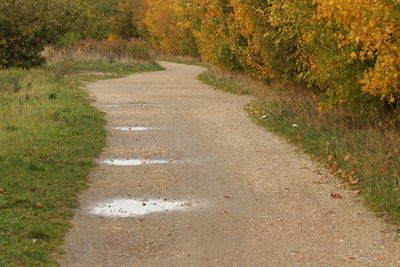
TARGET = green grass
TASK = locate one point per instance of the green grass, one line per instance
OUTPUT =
(363, 153)
(49, 135)
(227, 84)
(95, 69)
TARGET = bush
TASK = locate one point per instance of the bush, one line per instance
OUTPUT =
(345, 53)
(28, 26)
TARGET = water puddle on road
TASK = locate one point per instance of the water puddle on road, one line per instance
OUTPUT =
(135, 129)
(124, 208)
(136, 162)
(132, 105)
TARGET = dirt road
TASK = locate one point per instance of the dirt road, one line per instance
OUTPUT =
(247, 197)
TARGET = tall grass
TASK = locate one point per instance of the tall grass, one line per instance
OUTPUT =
(362, 149)
(115, 50)
(106, 59)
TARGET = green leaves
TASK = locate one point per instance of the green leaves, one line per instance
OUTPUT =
(27, 26)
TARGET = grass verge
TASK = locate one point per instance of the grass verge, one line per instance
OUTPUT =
(364, 153)
(94, 69)
(49, 135)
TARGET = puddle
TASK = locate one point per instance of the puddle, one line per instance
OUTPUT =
(131, 207)
(136, 162)
(136, 129)
(132, 105)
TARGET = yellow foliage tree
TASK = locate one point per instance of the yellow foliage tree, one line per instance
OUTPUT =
(347, 49)
(165, 31)
(375, 25)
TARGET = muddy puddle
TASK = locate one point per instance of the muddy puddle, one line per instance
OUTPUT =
(137, 162)
(134, 129)
(124, 208)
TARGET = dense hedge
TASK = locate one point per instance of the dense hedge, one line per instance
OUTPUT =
(27, 26)
(349, 50)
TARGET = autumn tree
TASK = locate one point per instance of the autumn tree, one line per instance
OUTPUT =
(165, 30)
(27, 26)
(128, 20)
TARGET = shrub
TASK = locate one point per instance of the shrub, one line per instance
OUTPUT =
(27, 26)
(345, 53)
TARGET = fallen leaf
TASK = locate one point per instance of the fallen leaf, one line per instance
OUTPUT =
(227, 196)
(226, 212)
(331, 157)
(348, 157)
(54, 219)
(354, 182)
(298, 136)
(334, 170)
(336, 196)
(356, 192)
(382, 170)
(353, 171)
(327, 144)
(39, 205)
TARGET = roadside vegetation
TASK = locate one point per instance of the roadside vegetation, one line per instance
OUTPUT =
(361, 151)
(49, 131)
(49, 135)
(325, 74)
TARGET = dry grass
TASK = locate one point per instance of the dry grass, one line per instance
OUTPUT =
(116, 50)
(188, 60)
(362, 148)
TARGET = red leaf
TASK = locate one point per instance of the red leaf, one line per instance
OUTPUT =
(336, 196)
(354, 182)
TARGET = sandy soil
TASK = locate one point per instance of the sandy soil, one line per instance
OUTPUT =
(256, 201)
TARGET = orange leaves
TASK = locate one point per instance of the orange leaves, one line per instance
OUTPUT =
(336, 196)
(374, 29)
(340, 46)
(165, 29)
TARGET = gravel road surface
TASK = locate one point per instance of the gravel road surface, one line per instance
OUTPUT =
(207, 187)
